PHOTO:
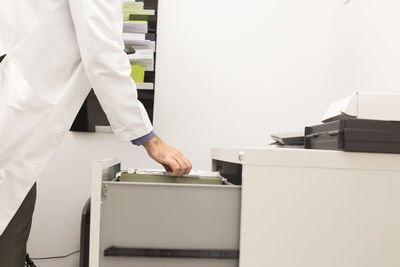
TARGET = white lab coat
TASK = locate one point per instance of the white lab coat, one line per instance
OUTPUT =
(56, 51)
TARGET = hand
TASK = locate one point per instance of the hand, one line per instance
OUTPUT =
(171, 158)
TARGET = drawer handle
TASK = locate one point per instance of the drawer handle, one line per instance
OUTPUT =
(171, 253)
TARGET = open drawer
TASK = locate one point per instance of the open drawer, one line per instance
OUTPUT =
(162, 224)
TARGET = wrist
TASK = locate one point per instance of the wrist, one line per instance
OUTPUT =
(153, 142)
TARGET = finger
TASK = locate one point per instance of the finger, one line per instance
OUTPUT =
(175, 167)
(189, 168)
(183, 163)
(186, 165)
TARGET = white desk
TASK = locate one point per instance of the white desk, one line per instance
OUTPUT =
(317, 208)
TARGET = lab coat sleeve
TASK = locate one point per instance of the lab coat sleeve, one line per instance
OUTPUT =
(144, 139)
(98, 25)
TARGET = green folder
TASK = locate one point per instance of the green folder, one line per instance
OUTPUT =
(135, 20)
(137, 73)
(133, 17)
(154, 178)
(136, 8)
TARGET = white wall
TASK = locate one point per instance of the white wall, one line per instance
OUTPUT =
(364, 47)
(229, 73)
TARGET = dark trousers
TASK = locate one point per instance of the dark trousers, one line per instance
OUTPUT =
(13, 240)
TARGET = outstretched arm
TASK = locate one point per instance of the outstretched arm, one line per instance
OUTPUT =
(98, 26)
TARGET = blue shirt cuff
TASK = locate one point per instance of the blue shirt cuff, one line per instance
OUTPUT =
(144, 139)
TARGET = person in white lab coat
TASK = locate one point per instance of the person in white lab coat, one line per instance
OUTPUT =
(55, 52)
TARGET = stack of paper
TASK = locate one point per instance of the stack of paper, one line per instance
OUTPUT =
(144, 58)
(138, 40)
(132, 37)
(145, 86)
(132, 26)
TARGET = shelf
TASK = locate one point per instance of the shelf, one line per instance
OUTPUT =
(145, 86)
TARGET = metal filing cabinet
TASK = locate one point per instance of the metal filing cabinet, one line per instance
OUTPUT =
(315, 208)
(166, 225)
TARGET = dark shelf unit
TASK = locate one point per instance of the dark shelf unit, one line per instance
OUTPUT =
(91, 113)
